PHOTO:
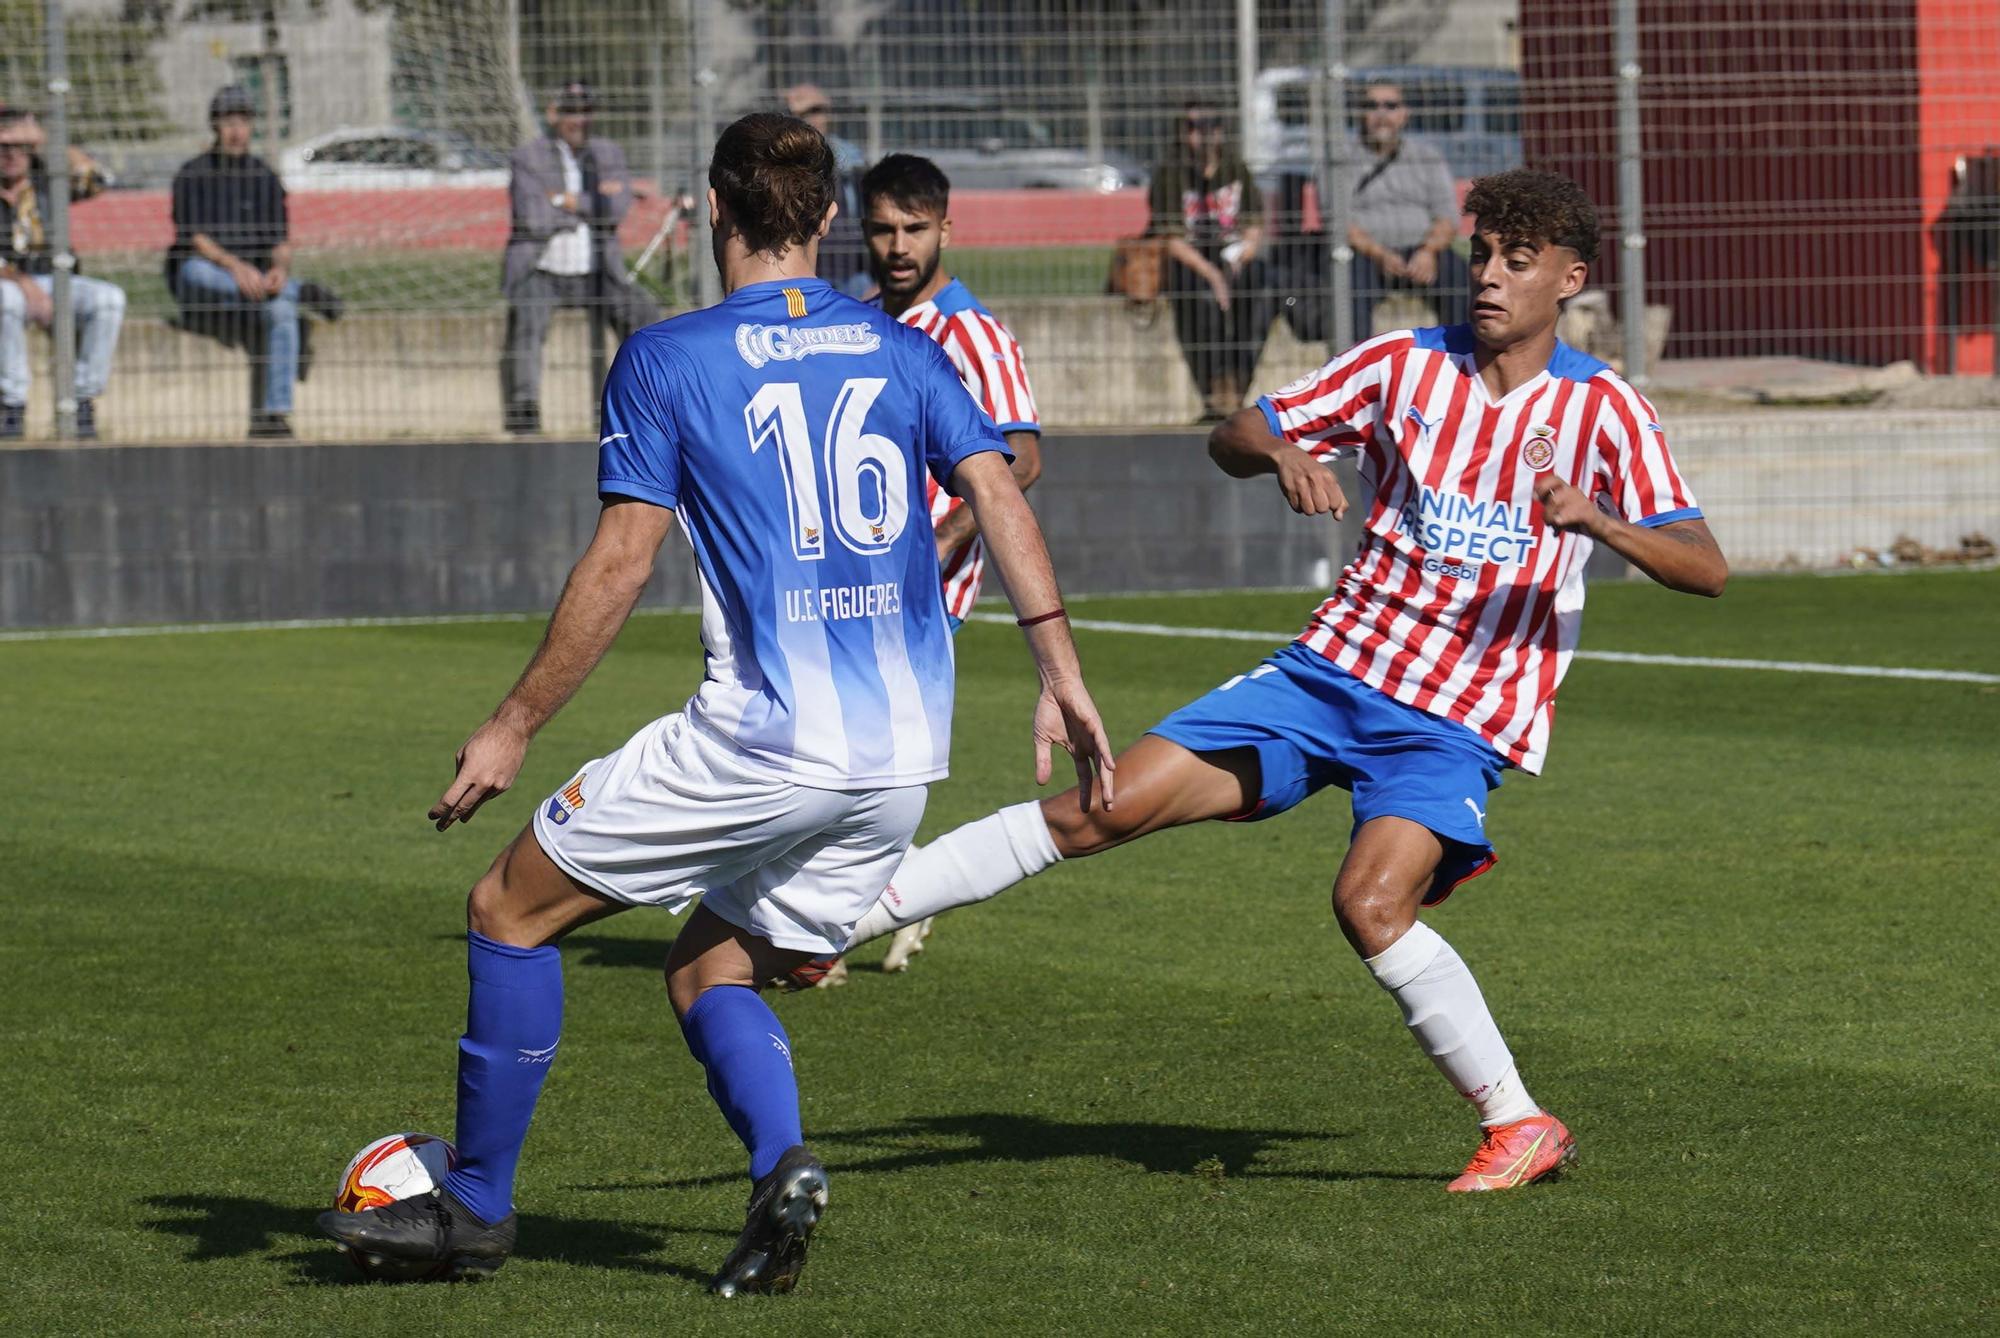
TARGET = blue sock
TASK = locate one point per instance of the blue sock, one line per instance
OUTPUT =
(741, 1043)
(513, 1020)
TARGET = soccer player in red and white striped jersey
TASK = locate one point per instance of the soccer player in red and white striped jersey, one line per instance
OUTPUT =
(907, 224)
(1493, 457)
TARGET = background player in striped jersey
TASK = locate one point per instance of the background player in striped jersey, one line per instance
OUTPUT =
(1492, 457)
(786, 790)
(907, 224)
(906, 203)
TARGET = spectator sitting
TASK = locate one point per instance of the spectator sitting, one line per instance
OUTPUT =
(1205, 204)
(27, 283)
(231, 263)
(570, 189)
(843, 255)
(1403, 217)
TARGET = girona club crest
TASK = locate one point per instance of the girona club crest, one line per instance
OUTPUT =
(1540, 450)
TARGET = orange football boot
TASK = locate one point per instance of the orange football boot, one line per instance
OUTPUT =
(1512, 1155)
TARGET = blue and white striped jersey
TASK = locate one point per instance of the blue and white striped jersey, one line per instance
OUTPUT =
(790, 428)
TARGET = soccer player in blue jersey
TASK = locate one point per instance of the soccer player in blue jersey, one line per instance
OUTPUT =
(790, 430)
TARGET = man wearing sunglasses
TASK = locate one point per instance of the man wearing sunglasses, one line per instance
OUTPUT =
(1404, 216)
(26, 277)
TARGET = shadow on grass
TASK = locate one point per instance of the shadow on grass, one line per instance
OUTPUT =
(602, 950)
(648, 954)
(223, 1227)
(1166, 1149)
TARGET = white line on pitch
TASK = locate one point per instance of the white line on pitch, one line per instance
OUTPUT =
(297, 625)
(1608, 656)
(278, 625)
(1083, 624)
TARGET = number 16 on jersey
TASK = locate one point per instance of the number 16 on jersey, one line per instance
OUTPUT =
(867, 475)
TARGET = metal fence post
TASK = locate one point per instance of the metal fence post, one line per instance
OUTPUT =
(1992, 293)
(1335, 205)
(1246, 77)
(267, 73)
(1631, 201)
(656, 113)
(701, 140)
(63, 329)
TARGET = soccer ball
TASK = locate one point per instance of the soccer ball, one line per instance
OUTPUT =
(398, 1166)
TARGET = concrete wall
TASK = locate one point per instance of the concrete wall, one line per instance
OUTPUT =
(107, 535)
(1806, 488)
(380, 376)
(388, 375)
(112, 535)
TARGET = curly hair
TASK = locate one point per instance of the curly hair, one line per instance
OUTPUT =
(1538, 206)
(776, 174)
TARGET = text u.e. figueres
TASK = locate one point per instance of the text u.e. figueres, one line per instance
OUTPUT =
(879, 600)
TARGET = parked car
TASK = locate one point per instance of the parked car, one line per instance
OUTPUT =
(983, 144)
(389, 158)
(1472, 114)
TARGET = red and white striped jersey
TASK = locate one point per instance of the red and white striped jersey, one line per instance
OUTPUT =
(989, 363)
(1461, 601)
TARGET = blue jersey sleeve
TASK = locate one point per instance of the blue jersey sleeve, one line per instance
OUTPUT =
(639, 455)
(954, 425)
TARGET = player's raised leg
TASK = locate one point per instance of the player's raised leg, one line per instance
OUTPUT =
(513, 1024)
(1389, 870)
(1160, 784)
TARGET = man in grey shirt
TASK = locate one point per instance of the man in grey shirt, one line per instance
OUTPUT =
(1404, 217)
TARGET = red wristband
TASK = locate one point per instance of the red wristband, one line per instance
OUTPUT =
(1041, 617)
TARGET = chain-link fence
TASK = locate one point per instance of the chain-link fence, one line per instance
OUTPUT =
(1820, 187)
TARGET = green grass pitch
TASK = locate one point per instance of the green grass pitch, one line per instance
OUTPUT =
(1742, 938)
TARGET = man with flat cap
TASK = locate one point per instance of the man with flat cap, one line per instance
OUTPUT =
(570, 190)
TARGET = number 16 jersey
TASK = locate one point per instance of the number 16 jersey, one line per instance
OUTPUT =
(790, 429)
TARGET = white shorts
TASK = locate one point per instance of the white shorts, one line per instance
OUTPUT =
(674, 815)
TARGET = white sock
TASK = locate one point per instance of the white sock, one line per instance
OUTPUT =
(1444, 1010)
(962, 866)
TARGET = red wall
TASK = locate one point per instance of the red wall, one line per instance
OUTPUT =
(476, 217)
(1958, 68)
(1795, 157)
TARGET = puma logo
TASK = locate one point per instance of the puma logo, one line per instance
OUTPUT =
(1477, 815)
(1412, 413)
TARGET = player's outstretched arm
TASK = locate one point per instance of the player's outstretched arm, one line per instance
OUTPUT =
(602, 588)
(1682, 556)
(1065, 716)
(1243, 448)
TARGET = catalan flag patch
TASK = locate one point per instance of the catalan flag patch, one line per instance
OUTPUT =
(795, 303)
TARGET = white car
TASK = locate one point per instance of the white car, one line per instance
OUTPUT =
(389, 158)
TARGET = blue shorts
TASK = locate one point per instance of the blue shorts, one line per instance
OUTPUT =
(1313, 724)
(954, 622)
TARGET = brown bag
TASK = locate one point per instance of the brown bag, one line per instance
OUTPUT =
(1138, 269)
